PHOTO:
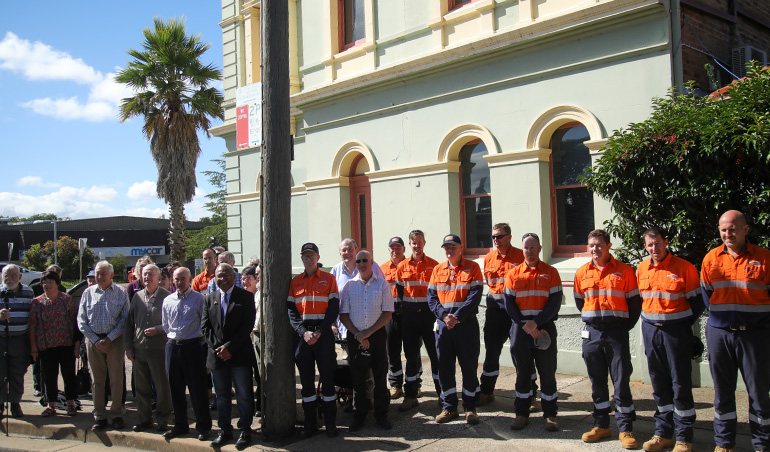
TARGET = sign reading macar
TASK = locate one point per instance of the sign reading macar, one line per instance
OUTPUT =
(149, 251)
(131, 250)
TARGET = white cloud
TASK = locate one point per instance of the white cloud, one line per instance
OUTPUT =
(38, 61)
(65, 202)
(35, 181)
(72, 108)
(142, 190)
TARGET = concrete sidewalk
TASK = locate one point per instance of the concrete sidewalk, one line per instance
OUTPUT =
(411, 431)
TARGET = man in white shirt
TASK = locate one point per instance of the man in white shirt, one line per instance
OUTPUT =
(366, 306)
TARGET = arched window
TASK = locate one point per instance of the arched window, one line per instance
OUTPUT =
(360, 203)
(572, 204)
(475, 198)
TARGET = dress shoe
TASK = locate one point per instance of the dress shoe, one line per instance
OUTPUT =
(384, 424)
(407, 404)
(657, 443)
(174, 432)
(16, 411)
(471, 418)
(357, 424)
(331, 430)
(142, 426)
(551, 424)
(99, 425)
(162, 427)
(307, 432)
(446, 416)
(396, 392)
(117, 423)
(682, 446)
(485, 399)
(519, 422)
(244, 440)
(628, 440)
(596, 434)
(204, 436)
(222, 438)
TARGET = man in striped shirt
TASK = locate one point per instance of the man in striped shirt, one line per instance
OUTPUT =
(17, 301)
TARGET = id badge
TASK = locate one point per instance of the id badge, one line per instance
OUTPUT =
(585, 334)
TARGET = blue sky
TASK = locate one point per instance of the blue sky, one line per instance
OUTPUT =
(63, 149)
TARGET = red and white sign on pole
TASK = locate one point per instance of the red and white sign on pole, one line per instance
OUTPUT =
(248, 110)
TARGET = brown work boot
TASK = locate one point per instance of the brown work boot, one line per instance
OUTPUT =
(628, 440)
(657, 443)
(722, 449)
(407, 404)
(596, 434)
(682, 446)
(534, 407)
(485, 399)
(446, 416)
(519, 422)
(551, 424)
(396, 392)
(472, 418)
(419, 393)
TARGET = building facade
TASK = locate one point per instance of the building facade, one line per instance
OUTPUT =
(451, 116)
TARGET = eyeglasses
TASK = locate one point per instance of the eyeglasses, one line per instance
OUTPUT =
(530, 234)
(500, 236)
(359, 261)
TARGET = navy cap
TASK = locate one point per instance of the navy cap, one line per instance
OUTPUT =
(309, 247)
(451, 238)
(398, 240)
(91, 273)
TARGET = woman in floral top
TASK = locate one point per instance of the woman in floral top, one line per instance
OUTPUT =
(53, 334)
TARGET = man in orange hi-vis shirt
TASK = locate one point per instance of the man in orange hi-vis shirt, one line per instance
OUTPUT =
(736, 289)
(393, 329)
(201, 282)
(672, 301)
(454, 295)
(314, 304)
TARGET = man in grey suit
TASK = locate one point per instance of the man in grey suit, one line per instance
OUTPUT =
(228, 318)
(146, 347)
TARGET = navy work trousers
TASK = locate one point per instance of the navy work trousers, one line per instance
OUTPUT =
(394, 331)
(460, 345)
(668, 348)
(307, 357)
(417, 327)
(497, 328)
(606, 350)
(526, 358)
(747, 351)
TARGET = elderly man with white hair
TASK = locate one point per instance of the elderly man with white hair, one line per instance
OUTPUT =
(14, 340)
(102, 319)
(225, 257)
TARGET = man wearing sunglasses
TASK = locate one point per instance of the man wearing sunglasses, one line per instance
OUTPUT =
(366, 306)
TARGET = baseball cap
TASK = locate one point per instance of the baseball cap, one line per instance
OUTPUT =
(543, 341)
(397, 240)
(309, 247)
(452, 238)
(91, 273)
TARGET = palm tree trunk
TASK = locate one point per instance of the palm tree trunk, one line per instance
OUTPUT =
(176, 232)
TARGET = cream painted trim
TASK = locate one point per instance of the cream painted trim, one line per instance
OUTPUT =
(222, 130)
(298, 190)
(459, 136)
(517, 157)
(241, 197)
(347, 153)
(539, 135)
(414, 171)
(334, 182)
(595, 146)
(473, 9)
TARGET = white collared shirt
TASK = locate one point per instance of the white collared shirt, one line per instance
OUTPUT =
(366, 301)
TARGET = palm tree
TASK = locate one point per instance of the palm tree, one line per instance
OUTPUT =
(174, 98)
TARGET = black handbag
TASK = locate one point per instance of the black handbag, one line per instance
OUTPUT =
(83, 379)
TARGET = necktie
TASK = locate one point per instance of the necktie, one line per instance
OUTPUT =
(224, 308)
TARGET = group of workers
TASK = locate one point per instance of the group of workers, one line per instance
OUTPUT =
(436, 305)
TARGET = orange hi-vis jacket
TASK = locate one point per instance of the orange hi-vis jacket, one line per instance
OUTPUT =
(412, 279)
(455, 290)
(670, 290)
(389, 270)
(201, 282)
(607, 296)
(313, 301)
(737, 290)
(495, 269)
(533, 293)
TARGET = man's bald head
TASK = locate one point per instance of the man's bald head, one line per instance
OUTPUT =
(734, 216)
(733, 230)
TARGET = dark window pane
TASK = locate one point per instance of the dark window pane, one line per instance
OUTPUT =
(475, 171)
(570, 156)
(362, 214)
(478, 222)
(478, 209)
(575, 215)
(355, 28)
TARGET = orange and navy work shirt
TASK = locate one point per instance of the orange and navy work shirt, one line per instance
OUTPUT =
(496, 266)
(389, 270)
(670, 290)
(737, 290)
(609, 295)
(456, 290)
(313, 301)
(201, 282)
(412, 279)
(533, 293)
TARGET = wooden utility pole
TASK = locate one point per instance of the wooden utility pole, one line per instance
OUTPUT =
(280, 387)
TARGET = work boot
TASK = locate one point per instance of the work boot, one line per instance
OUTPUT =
(657, 443)
(485, 399)
(396, 392)
(472, 418)
(551, 424)
(407, 404)
(627, 440)
(596, 434)
(419, 393)
(682, 446)
(534, 406)
(519, 422)
(446, 416)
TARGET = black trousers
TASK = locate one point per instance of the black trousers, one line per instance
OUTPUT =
(527, 358)
(359, 369)
(307, 357)
(51, 359)
(394, 332)
(185, 369)
(417, 324)
(497, 327)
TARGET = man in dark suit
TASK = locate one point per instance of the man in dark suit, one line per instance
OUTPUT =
(228, 318)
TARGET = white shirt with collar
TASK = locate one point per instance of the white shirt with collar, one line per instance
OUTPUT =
(365, 301)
